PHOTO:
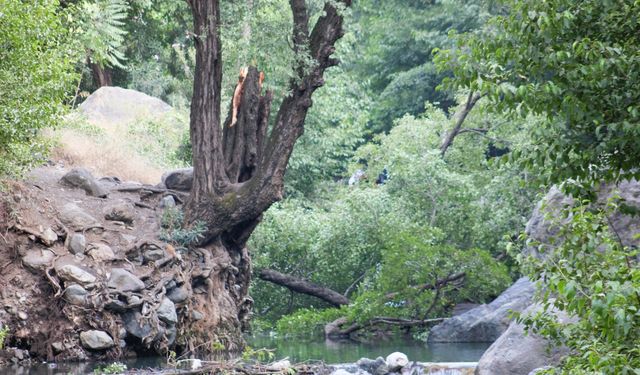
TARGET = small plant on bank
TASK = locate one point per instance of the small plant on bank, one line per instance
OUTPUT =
(173, 229)
(3, 335)
(114, 368)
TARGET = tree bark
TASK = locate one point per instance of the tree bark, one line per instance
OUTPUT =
(303, 286)
(101, 75)
(239, 170)
(472, 99)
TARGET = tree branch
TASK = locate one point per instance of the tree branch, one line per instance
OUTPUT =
(436, 285)
(472, 99)
(333, 330)
(303, 286)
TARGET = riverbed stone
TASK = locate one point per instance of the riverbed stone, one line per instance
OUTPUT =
(372, 366)
(77, 243)
(37, 259)
(125, 281)
(167, 311)
(70, 272)
(396, 361)
(82, 178)
(75, 295)
(100, 252)
(96, 340)
(120, 211)
(486, 323)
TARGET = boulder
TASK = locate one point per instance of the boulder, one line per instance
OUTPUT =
(120, 211)
(37, 259)
(75, 295)
(516, 352)
(77, 243)
(178, 295)
(179, 179)
(100, 252)
(485, 323)
(167, 311)
(396, 361)
(96, 340)
(372, 366)
(109, 106)
(75, 218)
(168, 202)
(544, 224)
(69, 272)
(82, 178)
(123, 280)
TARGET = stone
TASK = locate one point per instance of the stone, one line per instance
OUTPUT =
(49, 237)
(96, 340)
(77, 243)
(110, 106)
(152, 255)
(100, 252)
(518, 353)
(82, 178)
(57, 347)
(22, 315)
(75, 295)
(38, 259)
(539, 370)
(135, 325)
(70, 272)
(124, 281)
(167, 311)
(281, 365)
(396, 360)
(178, 295)
(120, 211)
(179, 179)
(485, 323)
(76, 219)
(372, 366)
(197, 315)
(168, 202)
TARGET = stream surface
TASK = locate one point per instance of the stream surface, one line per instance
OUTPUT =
(330, 352)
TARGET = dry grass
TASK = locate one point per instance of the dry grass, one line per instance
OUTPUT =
(104, 158)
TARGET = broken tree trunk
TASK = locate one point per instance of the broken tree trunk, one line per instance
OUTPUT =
(239, 170)
(303, 286)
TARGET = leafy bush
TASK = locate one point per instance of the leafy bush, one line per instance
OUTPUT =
(593, 278)
(36, 75)
(173, 230)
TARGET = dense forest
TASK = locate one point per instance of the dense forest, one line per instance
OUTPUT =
(420, 156)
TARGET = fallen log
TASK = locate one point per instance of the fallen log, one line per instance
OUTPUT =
(299, 285)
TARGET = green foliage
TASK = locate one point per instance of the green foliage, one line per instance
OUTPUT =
(173, 230)
(258, 355)
(3, 335)
(113, 368)
(578, 64)
(593, 278)
(100, 30)
(308, 322)
(36, 74)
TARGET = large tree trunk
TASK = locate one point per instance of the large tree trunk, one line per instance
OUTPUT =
(239, 170)
(101, 75)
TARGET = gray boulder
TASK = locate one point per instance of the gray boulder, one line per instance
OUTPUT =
(178, 295)
(37, 259)
(120, 211)
(123, 280)
(75, 295)
(82, 178)
(179, 179)
(96, 340)
(544, 224)
(167, 311)
(75, 218)
(69, 272)
(100, 252)
(515, 352)
(77, 243)
(485, 323)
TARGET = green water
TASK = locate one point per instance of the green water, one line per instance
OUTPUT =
(296, 351)
(351, 351)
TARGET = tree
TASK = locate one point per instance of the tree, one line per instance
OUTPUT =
(239, 170)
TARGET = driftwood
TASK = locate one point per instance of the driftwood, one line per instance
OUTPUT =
(299, 285)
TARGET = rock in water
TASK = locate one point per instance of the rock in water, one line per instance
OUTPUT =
(96, 340)
(396, 360)
(123, 280)
(485, 323)
(82, 178)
